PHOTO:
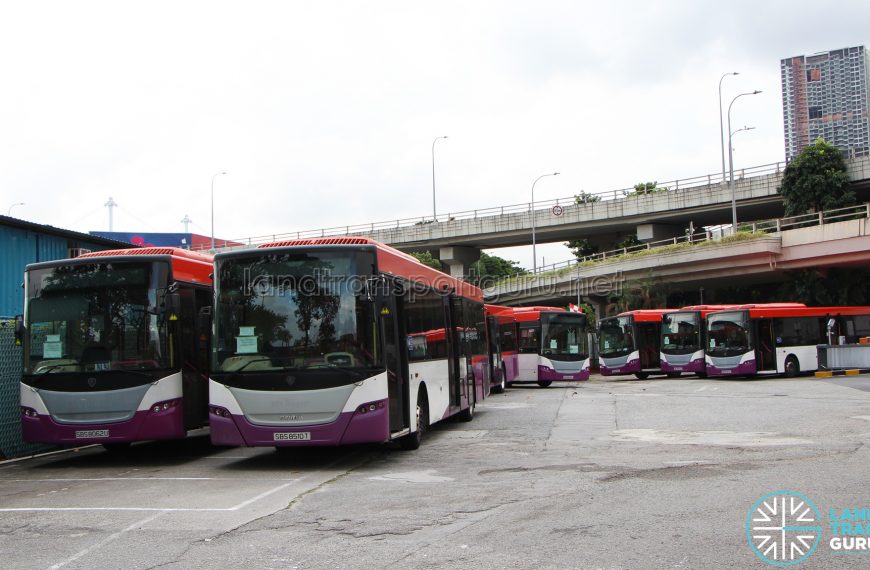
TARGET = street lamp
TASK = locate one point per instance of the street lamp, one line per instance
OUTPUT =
(534, 252)
(212, 207)
(721, 130)
(731, 163)
(9, 211)
(434, 215)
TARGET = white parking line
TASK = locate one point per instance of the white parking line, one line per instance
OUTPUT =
(103, 542)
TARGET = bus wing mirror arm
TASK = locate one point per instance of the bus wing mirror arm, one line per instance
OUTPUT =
(19, 330)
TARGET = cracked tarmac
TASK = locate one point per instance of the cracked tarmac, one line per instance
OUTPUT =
(613, 473)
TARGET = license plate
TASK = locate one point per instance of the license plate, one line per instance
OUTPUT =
(90, 433)
(293, 436)
(568, 377)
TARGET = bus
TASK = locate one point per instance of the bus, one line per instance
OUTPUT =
(113, 350)
(762, 340)
(683, 337)
(334, 341)
(542, 344)
(501, 351)
(630, 343)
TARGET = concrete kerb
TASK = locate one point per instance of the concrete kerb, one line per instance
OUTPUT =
(843, 372)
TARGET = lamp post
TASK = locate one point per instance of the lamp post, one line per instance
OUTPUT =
(9, 211)
(731, 163)
(721, 130)
(212, 207)
(534, 251)
(434, 215)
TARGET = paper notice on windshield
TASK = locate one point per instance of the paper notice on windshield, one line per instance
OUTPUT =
(606, 344)
(52, 349)
(554, 344)
(247, 331)
(667, 340)
(573, 349)
(712, 343)
(246, 345)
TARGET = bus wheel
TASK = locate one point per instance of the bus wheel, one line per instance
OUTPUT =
(792, 368)
(467, 414)
(674, 374)
(413, 439)
(117, 448)
(503, 384)
(641, 375)
(544, 383)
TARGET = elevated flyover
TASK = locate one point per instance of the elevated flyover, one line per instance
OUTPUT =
(840, 238)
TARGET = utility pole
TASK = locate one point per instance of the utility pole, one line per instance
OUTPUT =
(110, 204)
(186, 221)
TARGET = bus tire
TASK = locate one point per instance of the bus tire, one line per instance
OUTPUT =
(412, 441)
(544, 383)
(792, 368)
(701, 374)
(641, 375)
(503, 384)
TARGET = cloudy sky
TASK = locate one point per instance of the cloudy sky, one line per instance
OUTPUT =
(323, 113)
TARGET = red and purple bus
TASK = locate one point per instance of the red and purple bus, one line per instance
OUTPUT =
(684, 338)
(774, 339)
(630, 343)
(542, 344)
(334, 341)
(113, 349)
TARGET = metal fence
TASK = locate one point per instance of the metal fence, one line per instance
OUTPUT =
(11, 444)
(844, 356)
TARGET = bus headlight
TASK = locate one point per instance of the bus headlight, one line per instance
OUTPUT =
(29, 412)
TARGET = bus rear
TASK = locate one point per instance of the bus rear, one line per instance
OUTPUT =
(111, 350)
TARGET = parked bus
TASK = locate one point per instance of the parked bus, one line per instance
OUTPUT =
(112, 348)
(340, 340)
(684, 337)
(502, 350)
(759, 339)
(630, 343)
(542, 344)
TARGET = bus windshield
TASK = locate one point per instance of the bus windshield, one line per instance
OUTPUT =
(96, 317)
(564, 336)
(616, 337)
(294, 311)
(681, 333)
(728, 334)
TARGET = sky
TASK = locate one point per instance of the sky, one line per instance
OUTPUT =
(323, 114)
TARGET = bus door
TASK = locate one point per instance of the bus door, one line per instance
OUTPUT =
(396, 361)
(648, 339)
(452, 319)
(765, 355)
(493, 349)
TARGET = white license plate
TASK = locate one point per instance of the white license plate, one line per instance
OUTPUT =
(89, 433)
(293, 436)
(568, 377)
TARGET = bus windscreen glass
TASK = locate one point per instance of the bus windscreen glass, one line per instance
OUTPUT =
(728, 334)
(564, 336)
(681, 333)
(97, 317)
(615, 337)
(295, 311)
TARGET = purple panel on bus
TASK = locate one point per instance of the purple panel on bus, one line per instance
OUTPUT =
(144, 425)
(350, 427)
(741, 369)
(696, 365)
(629, 367)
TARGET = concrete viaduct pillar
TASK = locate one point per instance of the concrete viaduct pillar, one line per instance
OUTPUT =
(458, 259)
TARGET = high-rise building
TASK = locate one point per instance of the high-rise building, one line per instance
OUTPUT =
(826, 95)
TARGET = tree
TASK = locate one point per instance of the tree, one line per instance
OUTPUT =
(629, 241)
(582, 248)
(816, 180)
(491, 268)
(586, 198)
(642, 188)
(426, 258)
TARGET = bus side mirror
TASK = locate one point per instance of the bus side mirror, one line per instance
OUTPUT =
(204, 319)
(172, 304)
(19, 330)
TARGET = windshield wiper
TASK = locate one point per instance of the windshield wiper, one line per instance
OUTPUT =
(50, 368)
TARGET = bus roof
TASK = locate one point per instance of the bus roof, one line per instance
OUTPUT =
(646, 315)
(188, 266)
(393, 262)
(778, 310)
